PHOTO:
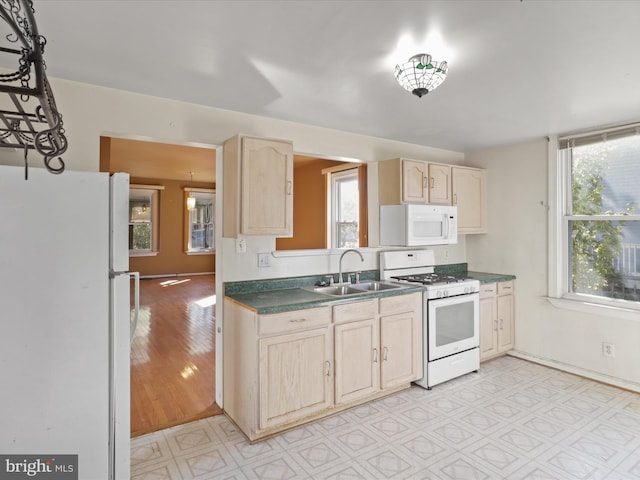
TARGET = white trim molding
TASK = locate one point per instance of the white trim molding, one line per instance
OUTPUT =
(582, 372)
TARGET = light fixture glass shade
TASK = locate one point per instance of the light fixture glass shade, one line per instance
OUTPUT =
(191, 202)
(421, 74)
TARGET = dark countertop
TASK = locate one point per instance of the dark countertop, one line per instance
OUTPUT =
(490, 277)
(286, 294)
(284, 300)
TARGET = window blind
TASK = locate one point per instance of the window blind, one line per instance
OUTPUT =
(596, 136)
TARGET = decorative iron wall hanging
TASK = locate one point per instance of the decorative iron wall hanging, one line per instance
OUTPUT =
(29, 118)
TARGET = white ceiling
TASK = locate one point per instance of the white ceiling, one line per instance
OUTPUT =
(517, 69)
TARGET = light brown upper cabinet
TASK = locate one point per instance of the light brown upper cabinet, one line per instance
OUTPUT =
(258, 187)
(468, 189)
(402, 181)
(440, 183)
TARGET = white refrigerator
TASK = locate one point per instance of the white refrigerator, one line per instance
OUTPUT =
(65, 318)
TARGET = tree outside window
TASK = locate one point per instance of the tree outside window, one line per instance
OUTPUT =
(143, 205)
(603, 226)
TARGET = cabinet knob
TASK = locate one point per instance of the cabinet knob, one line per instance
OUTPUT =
(328, 363)
(501, 324)
(289, 187)
(375, 355)
(495, 325)
(433, 182)
(385, 350)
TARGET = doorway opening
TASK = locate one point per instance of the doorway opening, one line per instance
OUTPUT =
(171, 245)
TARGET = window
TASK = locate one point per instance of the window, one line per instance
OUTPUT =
(599, 219)
(345, 211)
(143, 224)
(200, 223)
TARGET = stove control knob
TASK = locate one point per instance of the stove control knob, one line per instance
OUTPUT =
(467, 290)
(439, 294)
(445, 293)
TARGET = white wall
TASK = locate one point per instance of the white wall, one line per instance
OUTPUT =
(517, 244)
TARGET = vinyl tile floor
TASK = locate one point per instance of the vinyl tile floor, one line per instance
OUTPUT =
(512, 420)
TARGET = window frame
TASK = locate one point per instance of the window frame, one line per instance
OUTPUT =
(207, 193)
(154, 205)
(345, 174)
(560, 216)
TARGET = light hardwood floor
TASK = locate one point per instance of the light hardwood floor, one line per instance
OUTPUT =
(173, 353)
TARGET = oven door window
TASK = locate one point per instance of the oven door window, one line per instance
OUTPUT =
(453, 325)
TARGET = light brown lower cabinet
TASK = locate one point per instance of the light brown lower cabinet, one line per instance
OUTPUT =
(295, 379)
(284, 369)
(496, 319)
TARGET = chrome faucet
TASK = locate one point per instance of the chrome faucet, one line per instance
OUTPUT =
(340, 279)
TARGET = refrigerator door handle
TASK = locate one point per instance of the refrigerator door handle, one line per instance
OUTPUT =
(136, 302)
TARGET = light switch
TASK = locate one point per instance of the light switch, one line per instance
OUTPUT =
(241, 245)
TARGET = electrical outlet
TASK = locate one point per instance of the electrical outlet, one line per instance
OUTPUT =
(608, 349)
(241, 245)
(263, 259)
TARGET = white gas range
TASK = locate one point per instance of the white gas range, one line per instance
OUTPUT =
(450, 314)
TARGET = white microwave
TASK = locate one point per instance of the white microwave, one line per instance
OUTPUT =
(415, 225)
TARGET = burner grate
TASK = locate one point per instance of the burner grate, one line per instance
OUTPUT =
(429, 278)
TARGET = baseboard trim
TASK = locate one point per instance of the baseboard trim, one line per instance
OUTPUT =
(168, 275)
(583, 372)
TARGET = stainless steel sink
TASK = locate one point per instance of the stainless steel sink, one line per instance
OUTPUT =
(354, 289)
(339, 290)
(375, 286)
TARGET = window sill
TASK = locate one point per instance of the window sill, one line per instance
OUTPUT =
(203, 252)
(142, 254)
(595, 308)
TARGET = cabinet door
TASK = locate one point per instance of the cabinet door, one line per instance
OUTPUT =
(296, 376)
(414, 181)
(488, 327)
(267, 187)
(401, 352)
(439, 183)
(505, 323)
(357, 358)
(468, 188)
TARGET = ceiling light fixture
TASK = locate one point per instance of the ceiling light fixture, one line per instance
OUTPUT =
(191, 200)
(421, 74)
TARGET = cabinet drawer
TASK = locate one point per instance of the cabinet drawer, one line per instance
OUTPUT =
(292, 321)
(505, 288)
(355, 311)
(411, 302)
(488, 290)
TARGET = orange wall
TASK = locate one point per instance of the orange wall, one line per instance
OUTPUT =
(309, 207)
(150, 163)
(171, 257)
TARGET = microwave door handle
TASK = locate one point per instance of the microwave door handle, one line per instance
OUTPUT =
(450, 227)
